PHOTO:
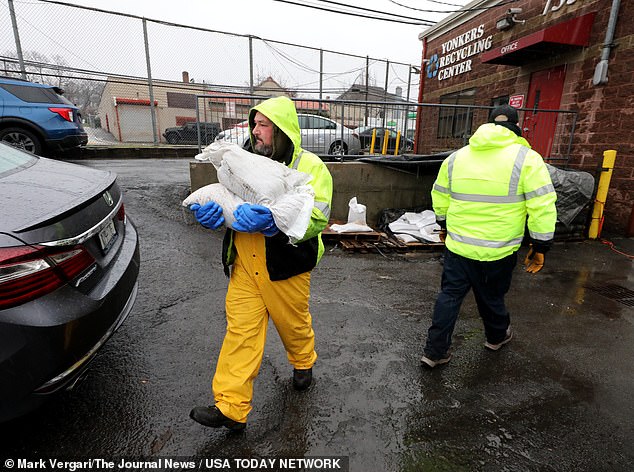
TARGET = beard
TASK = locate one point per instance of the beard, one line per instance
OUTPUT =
(263, 149)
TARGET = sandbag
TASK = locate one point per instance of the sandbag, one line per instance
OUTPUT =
(216, 193)
(356, 219)
(421, 226)
(252, 178)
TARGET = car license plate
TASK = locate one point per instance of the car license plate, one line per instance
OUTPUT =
(107, 235)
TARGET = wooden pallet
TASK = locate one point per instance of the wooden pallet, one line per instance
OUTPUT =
(381, 246)
(330, 235)
(374, 242)
(385, 245)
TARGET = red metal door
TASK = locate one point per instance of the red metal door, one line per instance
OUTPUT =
(544, 92)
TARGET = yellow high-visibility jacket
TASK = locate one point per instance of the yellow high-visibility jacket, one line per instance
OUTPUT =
(485, 191)
(283, 259)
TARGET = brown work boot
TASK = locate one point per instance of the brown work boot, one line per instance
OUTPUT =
(212, 417)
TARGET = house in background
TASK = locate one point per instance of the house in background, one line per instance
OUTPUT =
(367, 105)
(125, 111)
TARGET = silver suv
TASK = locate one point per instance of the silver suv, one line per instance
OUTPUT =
(320, 135)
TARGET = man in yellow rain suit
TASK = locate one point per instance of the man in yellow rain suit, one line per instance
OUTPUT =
(269, 276)
(482, 197)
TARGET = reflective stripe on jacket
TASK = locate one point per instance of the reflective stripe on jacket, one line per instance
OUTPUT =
(486, 190)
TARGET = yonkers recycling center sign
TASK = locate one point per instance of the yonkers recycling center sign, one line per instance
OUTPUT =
(454, 59)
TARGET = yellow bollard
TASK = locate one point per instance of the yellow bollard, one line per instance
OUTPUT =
(602, 193)
(386, 138)
(373, 141)
(398, 141)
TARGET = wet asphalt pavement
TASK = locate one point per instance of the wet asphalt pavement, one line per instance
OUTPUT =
(559, 397)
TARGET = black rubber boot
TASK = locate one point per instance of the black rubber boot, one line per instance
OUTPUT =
(211, 416)
(302, 379)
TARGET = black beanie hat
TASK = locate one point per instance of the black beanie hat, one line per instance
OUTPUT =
(506, 110)
(499, 114)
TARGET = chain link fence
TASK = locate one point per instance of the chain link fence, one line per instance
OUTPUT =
(446, 127)
(139, 80)
(100, 57)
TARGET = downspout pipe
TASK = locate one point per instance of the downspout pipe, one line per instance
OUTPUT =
(601, 70)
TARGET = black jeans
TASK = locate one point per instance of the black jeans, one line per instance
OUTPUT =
(489, 280)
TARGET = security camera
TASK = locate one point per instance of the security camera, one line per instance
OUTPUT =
(514, 11)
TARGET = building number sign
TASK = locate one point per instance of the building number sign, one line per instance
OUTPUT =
(554, 5)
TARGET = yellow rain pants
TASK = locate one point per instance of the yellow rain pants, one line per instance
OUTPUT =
(251, 299)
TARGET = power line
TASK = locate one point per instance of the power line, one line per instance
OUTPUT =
(411, 22)
(23, 19)
(392, 15)
(439, 2)
(307, 68)
(198, 28)
(449, 4)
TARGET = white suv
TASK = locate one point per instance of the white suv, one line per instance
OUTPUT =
(320, 135)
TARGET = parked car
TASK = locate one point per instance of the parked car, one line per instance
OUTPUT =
(238, 134)
(38, 118)
(405, 145)
(188, 133)
(69, 262)
(320, 135)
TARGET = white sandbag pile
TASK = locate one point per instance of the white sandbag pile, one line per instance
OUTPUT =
(247, 177)
(412, 227)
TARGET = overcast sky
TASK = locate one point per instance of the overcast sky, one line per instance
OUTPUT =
(299, 25)
(114, 44)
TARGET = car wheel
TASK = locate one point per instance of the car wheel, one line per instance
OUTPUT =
(338, 148)
(22, 139)
(172, 138)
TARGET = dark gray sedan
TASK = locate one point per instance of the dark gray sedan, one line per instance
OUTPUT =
(69, 262)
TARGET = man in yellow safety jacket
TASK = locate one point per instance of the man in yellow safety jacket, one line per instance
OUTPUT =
(269, 276)
(482, 197)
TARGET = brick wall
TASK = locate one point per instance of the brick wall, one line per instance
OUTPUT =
(605, 112)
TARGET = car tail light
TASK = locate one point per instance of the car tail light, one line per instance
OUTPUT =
(121, 213)
(27, 273)
(66, 113)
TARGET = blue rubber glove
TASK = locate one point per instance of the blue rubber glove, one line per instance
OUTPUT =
(209, 215)
(254, 219)
(272, 231)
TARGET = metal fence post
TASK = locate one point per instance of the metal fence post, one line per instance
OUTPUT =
(367, 85)
(409, 85)
(200, 149)
(149, 79)
(16, 35)
(251, 67)
(387, 77)
(343, 120)
(321, 73)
